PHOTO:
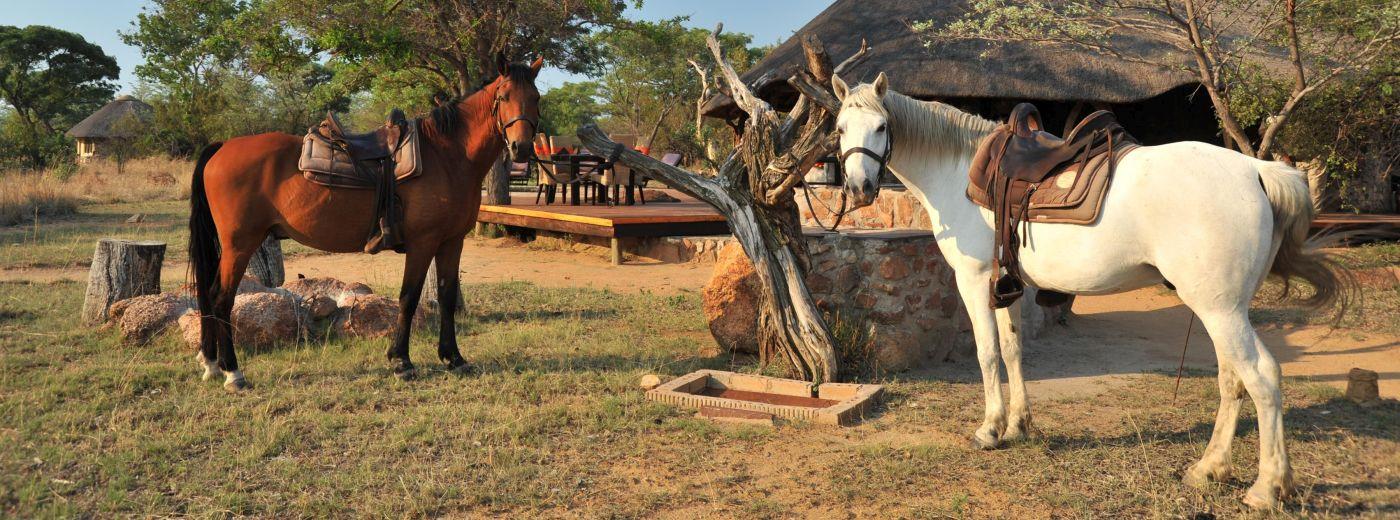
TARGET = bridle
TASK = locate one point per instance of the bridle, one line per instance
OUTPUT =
(881, 159)
(502, 126)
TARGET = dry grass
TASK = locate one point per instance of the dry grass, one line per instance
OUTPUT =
(25, 196)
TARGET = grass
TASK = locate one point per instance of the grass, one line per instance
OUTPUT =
(553, 425)
(28, 196)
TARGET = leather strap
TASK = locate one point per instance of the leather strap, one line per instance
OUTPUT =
(881, 159)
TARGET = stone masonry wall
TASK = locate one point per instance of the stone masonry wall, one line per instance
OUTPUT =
(894, 208)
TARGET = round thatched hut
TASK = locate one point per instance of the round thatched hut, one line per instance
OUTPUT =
(1157, 104)
(108, 130)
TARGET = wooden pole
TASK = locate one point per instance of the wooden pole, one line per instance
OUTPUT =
(266, 264)
(121, 269)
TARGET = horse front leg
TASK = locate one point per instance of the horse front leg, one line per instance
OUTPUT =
(414, 271)
(973, 288)
(1018, 412)
(447, 260)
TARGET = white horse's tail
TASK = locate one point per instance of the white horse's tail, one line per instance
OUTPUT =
(1299, 257)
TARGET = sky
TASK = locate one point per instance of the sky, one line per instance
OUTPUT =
(769, 21)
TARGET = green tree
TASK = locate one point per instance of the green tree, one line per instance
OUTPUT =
(648, 82)
(50, 78)
(565, 108)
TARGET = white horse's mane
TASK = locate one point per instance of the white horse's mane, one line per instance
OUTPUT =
(935, 128)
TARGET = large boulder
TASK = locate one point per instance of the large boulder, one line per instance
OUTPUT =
(141, 318)
(260, 319)
(367, 316)
(731, 303)
(321, 297)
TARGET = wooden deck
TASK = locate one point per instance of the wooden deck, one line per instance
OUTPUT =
(689, 217)
(1385, 227)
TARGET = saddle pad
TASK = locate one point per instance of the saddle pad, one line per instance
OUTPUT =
(325, 163)
(1066, 196)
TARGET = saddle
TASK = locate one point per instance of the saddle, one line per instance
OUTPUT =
(377, 160)
(1024, 174)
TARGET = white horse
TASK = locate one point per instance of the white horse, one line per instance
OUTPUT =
(1209, 220)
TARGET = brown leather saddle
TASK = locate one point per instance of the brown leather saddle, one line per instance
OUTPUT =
(377, 160)
(1024, 174)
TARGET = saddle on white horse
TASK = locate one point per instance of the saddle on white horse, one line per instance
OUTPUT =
(1024, 174)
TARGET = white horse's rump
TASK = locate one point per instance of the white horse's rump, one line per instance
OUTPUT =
(1208, 220)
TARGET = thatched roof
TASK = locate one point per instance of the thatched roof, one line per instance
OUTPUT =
(106, 122)
(1023, 71)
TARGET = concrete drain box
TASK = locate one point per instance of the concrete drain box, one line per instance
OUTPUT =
(829, 403)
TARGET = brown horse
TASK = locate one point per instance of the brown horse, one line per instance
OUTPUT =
(248, 187)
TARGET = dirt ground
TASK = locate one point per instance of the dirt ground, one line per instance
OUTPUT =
(1109, 341)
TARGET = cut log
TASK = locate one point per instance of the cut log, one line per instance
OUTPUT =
(121, 269)
(429, 298)
(266, 264)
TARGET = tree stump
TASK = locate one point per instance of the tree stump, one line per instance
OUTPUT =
(429, 298)
(266, 264)
(121, 269)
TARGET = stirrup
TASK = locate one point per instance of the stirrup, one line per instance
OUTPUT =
(1006, 290)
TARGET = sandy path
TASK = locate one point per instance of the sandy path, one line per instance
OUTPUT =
(1110, 339)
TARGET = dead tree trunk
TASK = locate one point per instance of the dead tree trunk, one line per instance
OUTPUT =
(498, 183)
(121, 269)
(266, 264)
(429, 299)
(753, 190)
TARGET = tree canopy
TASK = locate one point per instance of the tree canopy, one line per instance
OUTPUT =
(50, 78)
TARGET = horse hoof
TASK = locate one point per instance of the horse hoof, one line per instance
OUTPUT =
(210, 368)
(234, 382)
(460, 367)
(1200, 476)
(1262, 497)
(986, 440)
(405, 371)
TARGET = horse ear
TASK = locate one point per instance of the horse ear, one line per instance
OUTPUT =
(539, 62)
(502, 64)
(839, 87)
(882, 84)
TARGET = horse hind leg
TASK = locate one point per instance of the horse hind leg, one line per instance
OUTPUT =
(232, 264)
(1240, 350)
(1214, 465)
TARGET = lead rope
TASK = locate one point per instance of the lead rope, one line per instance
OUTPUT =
(807, 193)
(1190, 321)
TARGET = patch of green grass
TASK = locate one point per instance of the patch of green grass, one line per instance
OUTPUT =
(552, 424)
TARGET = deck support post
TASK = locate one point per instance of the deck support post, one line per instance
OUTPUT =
(616, 253)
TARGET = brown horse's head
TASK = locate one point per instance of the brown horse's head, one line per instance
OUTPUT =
(517, 106)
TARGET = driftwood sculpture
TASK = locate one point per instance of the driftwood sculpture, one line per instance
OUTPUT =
(753, 190)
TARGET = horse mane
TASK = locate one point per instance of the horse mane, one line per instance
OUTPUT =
(928, 126)
(446, 115)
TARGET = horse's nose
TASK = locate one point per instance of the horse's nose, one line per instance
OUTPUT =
(869, 188)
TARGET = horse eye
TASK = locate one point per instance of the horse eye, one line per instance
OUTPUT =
(881, 129)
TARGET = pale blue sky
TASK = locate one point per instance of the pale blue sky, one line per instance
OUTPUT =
(770, 21)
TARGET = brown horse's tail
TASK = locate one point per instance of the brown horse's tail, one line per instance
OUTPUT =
(204, 238)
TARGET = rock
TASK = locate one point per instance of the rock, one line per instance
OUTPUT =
(250, 285)
(730, 301)
(658, 196)
(371, 316)
(650, 381)
(1362, 387)
(321, 297)
(143, 317)
(189, 328)
(268, 318)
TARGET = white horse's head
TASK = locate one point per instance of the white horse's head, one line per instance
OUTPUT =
(865, 137)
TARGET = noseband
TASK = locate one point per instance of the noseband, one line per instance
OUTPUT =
(881, 159)
(501, 127)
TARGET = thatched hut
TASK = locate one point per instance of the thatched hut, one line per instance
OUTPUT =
(1157, 104)
(108, 131)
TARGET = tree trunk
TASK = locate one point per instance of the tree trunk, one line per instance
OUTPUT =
(498, 183)
(266, 264)
(753, 190)
(429, 299)
(121, 269)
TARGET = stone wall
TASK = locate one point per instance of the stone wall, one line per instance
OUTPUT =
(894, 208)
(893, 286)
